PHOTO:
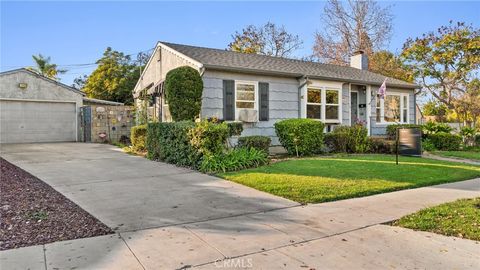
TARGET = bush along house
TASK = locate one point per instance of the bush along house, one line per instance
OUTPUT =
(259, 90)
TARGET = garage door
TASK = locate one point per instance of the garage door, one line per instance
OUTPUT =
(34, 121)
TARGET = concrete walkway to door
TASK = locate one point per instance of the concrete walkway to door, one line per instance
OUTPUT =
(252, 231)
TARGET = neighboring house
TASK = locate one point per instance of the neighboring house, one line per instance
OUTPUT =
(260, 90)
(34, 108)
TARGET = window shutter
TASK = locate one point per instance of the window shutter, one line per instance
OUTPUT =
(263, 101)
(228, 100)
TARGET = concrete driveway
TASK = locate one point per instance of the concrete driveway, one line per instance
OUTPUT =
(130, 193)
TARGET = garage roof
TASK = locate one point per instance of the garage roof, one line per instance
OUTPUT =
(42, 77)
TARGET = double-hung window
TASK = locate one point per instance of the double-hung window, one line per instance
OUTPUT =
(392, 109)
(245, 95)
(323, 104)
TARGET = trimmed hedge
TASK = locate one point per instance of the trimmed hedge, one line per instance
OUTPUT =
(170, 142)
(392, 129)
(381, 146)
(138, 137)
(445, 141)
(300, 136)
(257, 142)
(183, 92)
(348, 139)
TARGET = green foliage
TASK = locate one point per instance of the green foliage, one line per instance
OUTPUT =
(235, 128)
(138, 137)
(390, 65)
(392, 129)
(114, 78)
(427, 145)
(459, 219)
(477, 140)
(468, 135)
(346, 139)
(234, 160)
(209, 137)
(381, 146)
(257, 142)
(170, 142)
(183, 92)
(45, 68)
(433, 127)
(300, 137)
(435, 108)
(445, 141)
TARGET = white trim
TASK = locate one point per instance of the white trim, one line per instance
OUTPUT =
(382, 109)
(323, 105)
(255, 102)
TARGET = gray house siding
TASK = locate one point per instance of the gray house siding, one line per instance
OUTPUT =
(283, 100)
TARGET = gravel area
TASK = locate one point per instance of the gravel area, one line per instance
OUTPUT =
(33, 213)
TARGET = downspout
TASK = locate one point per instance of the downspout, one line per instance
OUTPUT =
(302, 84)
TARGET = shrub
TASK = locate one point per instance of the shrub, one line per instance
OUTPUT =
(468, 135)
(170, 142)
(427, 145)
(346, 139)
(433, 128)
(477, 140)
(257, 142)
(183, 92)
(236, 159)
(300, 136)
(392, 129)
(138, 135)
(445, 141)
(209, 137)
(381, 146)
(235, 128)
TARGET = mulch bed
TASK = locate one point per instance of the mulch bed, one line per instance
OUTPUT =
(33, 213)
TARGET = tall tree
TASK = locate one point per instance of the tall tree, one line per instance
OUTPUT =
(114, 78)
(268, 39)
(357, 25)
(445, 61)
(79, 82)
(45, 67)
(467, 106)
(390, 65)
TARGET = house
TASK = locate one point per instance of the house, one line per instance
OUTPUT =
(260, 90)
(34, 108)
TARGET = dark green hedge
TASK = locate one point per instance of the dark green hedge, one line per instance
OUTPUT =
(170, 142)
(300, 136)
(235, 128)
(257, 142)
(346, 139)
(445, 141)
(183, 92)
(381, 146)
(138, 137)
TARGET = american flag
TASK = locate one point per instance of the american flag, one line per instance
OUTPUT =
(383, 89)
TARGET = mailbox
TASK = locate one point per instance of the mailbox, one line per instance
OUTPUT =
(409, 142)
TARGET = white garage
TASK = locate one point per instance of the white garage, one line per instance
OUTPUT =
(37, 109)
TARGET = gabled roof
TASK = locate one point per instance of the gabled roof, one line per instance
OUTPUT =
(42, 77)
(262, 64)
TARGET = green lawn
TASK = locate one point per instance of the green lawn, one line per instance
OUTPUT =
(460, 218)
(474, 155)
(314, 180)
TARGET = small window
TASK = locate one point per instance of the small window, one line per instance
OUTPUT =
(314, 103)
(245, 96)
(332, 105)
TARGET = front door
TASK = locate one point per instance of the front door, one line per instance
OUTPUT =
(353, 107)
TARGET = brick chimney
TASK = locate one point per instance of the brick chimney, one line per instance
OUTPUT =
(359, 60)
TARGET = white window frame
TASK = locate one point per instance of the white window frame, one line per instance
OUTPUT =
(402, 108)
(255, 102)
(323, 104)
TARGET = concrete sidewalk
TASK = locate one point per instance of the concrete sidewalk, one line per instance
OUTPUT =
(344, 234)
